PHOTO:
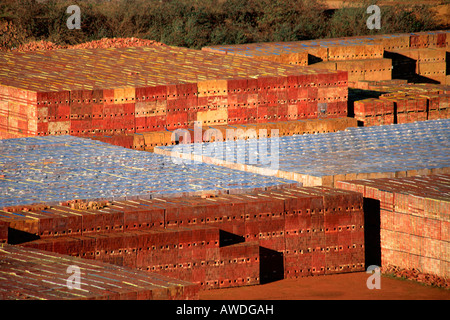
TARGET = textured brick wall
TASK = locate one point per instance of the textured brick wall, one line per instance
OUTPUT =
(414, 220)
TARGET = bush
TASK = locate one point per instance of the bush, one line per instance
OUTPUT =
(195, 23)
(351, 21)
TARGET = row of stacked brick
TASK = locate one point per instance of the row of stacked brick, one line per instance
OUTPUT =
(228, 240)
(403, 103)
(42, 275)
(371, 58)
(414, 220)
(141, 89)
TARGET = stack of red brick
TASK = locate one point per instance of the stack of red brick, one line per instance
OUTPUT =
(156, 90)
(31, 274)
(403, 103)
(189, 253)
(149, 140)
(230, 240)
(414, 220)
(429, 39)
(3, 232)
(419, 64)
(374, 112)
(373, 58)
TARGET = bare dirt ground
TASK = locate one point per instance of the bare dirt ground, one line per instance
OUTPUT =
(350, 286)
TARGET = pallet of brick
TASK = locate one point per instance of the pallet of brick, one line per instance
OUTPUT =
(48, 274)
(412, 102)
(155, 96)
(348, 48)
(322, 159)
(414, 218)
(429, 39)
(361, 69)
(369, 84)
(295, 58)
(187, 253)
(324, 232)
(181, 253)
(426, 62)
(392, 41)
(408, 108)
(404, 88)
(285, 228)
(320, 49)
(354, 52)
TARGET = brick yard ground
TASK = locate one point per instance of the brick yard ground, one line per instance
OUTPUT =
(350, 286)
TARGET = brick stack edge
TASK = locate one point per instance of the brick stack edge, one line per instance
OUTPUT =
(224, 241)
(3, 232)
(414, 220)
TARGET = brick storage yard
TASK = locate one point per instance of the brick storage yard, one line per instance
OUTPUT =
(345, 197)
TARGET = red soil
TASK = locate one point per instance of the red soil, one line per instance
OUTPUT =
(350, 286)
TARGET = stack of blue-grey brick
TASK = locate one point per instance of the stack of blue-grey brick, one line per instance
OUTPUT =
(322, 159)
(54, 169)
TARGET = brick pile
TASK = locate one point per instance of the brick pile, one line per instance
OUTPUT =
(419, 64)
(223, 241)
(361, 59)
(96, 44)
(149, 140)
(415, 275)
(364, 57)
(402, 103)
(323, 159)
(154, 88)
(55, 169)
(30, 274)
(414, 215)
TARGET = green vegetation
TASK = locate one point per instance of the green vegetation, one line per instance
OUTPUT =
(198, 23)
